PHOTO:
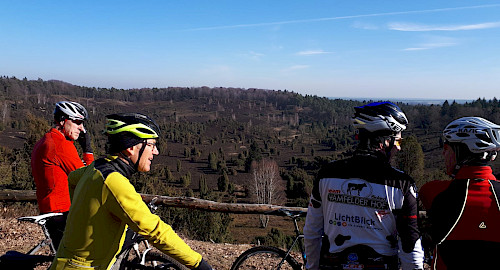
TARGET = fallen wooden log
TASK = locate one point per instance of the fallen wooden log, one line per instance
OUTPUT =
(182, 202)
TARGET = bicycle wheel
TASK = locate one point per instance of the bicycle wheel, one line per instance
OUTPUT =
(162, 261)
(265, 258)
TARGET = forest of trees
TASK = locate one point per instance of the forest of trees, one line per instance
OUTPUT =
(216, 141)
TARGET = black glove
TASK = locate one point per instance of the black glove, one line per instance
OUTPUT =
(203, 265)
(84, 141)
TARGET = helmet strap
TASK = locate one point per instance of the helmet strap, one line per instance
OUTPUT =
(126, 158)
(131, 163)
(388, 149)
(489, 156)
(136, 165)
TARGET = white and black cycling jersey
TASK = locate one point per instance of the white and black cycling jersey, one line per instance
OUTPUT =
(362, 200)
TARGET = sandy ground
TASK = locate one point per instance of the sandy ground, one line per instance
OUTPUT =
(22, 236)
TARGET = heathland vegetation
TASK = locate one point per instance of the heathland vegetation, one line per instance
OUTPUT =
(221, 143)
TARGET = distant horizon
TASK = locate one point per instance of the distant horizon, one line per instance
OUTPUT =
(411, 101)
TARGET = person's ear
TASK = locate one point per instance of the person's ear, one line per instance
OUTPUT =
(59, 124)
(129, 151)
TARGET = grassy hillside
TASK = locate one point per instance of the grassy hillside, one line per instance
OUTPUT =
(209, 134)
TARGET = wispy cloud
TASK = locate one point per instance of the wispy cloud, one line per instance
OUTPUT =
(429, 46)
(313, 52)
(423, 28)
(255, 55)
(338, 18)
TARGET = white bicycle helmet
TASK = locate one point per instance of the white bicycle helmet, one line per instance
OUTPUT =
(479, 134)
(380, 116)
(70, 110)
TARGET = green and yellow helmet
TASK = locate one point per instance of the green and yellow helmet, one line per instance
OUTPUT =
(128, 129)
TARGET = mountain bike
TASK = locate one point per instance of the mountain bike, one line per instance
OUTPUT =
(137, 253)
(29, 260)
(268, 257)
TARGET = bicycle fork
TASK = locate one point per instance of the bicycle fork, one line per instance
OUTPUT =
(143, 256)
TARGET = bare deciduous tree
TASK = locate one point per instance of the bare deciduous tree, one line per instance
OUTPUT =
(267, 185)
(5, 112)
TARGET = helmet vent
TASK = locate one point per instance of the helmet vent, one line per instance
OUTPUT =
(143, 130)
(484, 137)
(481, 145)
(495, 134)
(462, 135)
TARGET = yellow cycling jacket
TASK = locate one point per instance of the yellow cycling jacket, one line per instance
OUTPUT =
(104, 203)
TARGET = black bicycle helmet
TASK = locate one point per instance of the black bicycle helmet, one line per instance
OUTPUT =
(380, 117)
(125, 130)
(128, 129)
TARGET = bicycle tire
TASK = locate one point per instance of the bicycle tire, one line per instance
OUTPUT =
(20, 261)
(164, 262)
(265, 258)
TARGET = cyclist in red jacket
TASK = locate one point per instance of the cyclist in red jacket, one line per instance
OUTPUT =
(465, 212)
(54, 157)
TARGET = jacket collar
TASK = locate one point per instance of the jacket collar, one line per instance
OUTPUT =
(121, 166)
(475, 172)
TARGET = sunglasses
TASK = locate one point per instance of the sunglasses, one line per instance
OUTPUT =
(77, 122)
(398, 141)
(153, 145)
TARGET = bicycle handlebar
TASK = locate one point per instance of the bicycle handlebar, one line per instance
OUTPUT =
(287, 212)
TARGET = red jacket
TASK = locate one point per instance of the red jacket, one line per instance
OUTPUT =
(52, 159)
(465, 216)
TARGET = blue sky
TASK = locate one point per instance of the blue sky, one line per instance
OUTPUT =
(376, 49)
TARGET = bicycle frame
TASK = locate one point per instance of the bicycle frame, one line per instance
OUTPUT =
(273, 257)
(16, 260)
(41, 220)
(137, 239)
(138, 253)
(295, 215)
(298, 240)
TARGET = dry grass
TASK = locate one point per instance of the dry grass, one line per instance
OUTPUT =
(22, 236)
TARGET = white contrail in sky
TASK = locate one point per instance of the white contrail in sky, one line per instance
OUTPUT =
(312, 52)
(421, 28)
(338, 18)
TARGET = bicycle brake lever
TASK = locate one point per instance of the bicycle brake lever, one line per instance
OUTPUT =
(152, 205)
